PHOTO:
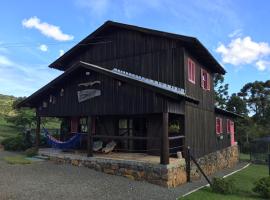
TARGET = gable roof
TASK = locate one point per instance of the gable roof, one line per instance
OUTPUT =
(190, 43)
(161, 88)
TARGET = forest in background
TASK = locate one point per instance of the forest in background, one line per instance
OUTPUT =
(252, 102)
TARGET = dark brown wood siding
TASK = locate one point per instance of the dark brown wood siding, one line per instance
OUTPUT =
(114, 100)
(224, 141)
(139, 53)
(199, 119)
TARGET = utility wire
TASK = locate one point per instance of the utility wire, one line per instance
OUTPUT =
(29, 44)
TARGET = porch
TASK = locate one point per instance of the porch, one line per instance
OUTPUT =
(134, 135)
(135, 166)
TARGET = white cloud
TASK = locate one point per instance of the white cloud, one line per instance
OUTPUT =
(262, 65)
(46, 29)
(5, 61)
(61, 52)
(236, 33)
(243, 51)
(43, 47)
(23, 79)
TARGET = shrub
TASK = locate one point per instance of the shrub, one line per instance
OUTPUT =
(31, 152)
(223, 186)
(174, 128)
(262, 187)
(14, 143)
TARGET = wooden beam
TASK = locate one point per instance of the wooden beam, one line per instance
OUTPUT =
(176, 137)
(164, 154)
(89, 138)
(125, 137)
(38, 131)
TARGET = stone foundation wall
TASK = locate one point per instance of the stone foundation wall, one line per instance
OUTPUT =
(170, 175)
(163, 175)
(213, 162)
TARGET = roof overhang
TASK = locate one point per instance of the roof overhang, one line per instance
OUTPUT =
(227, 113)
(28, 102)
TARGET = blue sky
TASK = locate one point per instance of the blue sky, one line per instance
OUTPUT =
(35, 33)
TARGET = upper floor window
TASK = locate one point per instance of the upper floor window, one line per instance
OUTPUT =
(191, 71)
(218, 125)
(205, 79)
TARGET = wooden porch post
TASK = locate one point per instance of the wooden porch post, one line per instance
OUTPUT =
(89, 138)
(164, 154)
(38, 132)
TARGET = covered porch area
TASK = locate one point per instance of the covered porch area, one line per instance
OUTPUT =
(154, 137)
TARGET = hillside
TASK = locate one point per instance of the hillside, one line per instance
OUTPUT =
(6, 102)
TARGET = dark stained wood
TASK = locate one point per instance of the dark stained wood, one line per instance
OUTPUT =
(37, 132)
(164, 156)
(124, 137)
(90, 137)
(200, 119)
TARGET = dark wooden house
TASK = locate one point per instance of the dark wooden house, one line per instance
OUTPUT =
(148, 90)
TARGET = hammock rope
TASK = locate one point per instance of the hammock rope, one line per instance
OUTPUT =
(73, 142)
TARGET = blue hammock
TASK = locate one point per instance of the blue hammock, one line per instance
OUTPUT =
(73, 142)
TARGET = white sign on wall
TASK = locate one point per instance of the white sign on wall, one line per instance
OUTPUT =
(84, 95)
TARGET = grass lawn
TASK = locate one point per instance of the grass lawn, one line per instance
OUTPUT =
(244, 182)
(17, 160)
(244, 157)
(7, 129)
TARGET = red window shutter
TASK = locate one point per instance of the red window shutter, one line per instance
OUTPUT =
(232, 133)
(74, 125)
(221, 128)
(228, 126)
(217, 125)
(208, 81)
(202, 82)
(189, 70)
(193, 72)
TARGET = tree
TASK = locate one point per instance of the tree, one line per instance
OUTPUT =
(257, 97)
(23, 117)
(237, 105)
(221, 91)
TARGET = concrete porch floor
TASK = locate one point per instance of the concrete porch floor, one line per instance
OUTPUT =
(117, 156)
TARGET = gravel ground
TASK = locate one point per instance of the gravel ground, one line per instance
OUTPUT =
(47, 180)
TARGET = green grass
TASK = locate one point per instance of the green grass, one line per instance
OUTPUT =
(7, 130)
(244, 181)
(244, 157)
(17, 160)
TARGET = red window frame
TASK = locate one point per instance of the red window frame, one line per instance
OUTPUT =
(205, 80)
(191, 71)
(219, 125)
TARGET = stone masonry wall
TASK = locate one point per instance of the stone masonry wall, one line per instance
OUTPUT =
(213, 162)
(170, 175)
(163, 175)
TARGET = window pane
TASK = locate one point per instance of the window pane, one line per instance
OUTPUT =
(123, 123)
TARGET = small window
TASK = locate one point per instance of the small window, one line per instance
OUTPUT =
(205, 80)
(218, 125)
(83, 125)
(191, 71)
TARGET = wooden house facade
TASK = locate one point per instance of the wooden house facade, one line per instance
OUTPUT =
(150, 91)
